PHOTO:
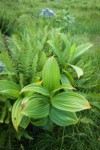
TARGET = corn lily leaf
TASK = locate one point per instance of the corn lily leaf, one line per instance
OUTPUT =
(65, 80)
(40, 122)
(9, 89)
(35, 106)
(42, 60)
(67, 43)
(12, 94)
(64, 86)
(36, 88)
(63, 118)
(51, 74)
(16, 114)
(70, 101)
(72, 50)
(81, 49)
(78, 70)
(57, 52)
(69, 76)
(24, 122)
(49, 126)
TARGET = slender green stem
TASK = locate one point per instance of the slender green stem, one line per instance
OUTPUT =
(62, 141)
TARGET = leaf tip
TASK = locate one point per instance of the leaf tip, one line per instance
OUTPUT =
(87, 105)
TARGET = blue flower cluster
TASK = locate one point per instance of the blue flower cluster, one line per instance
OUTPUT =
(47, 13)
(1, 66)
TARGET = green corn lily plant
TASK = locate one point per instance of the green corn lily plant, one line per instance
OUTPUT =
(67, 53)
(49, 100)
(9, 92)
(19, 58)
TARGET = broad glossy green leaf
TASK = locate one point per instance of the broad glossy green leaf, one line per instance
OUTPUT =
(81, 49)
(64, 86)
(12, 94)
(9, 89)
(42, 60)
(65, 80)
(51, 74)
(70, 101)
(69, 76)
(8, 84)
(40, 122)
(62, 118)
(57, 52)
(68, 45)
(36, 106)
(24, 122)
(36, 88)
(49, 126)
(72, 50)
(16, 114)
(78, 70)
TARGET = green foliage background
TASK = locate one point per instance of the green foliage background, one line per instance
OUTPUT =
(15, 16)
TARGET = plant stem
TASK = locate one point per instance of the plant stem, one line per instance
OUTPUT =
(62, 141)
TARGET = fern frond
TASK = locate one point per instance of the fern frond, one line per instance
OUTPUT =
(5, 58)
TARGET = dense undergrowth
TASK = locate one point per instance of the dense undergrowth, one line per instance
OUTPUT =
(26, 43)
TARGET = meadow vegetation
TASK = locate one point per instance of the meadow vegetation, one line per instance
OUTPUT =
(49, 75)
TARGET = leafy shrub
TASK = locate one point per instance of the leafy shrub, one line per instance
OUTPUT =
(60, 107)
(23, 57)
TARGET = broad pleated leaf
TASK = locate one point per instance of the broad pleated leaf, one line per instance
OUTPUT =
(36, 106)
(69, 76)
(24, 122)
(9, 89)
(81, 49)
(72, 50)
(58, 53)
(63, 118)
(49, 126)
(70, 101)
(51, 74)
(64, 86)
(40, 122)
(16, 114)
(42, 60)
(78, 70)
(8, 84)
(65, 80)
(68, 45)
(12, 94)
(36, 88)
